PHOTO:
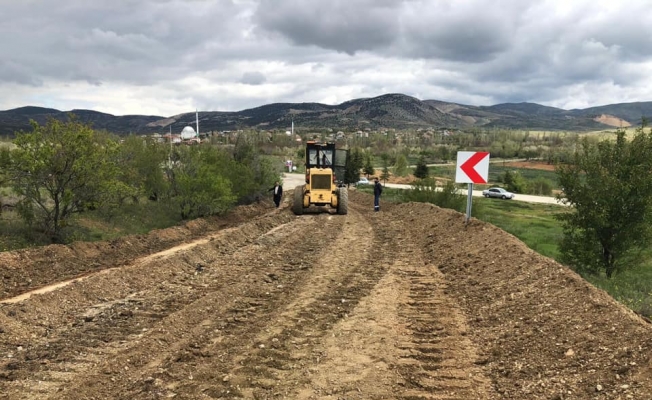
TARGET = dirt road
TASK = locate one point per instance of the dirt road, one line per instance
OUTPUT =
(407, 303)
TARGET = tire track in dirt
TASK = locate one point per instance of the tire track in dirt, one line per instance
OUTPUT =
(406, 337)
(84, 335)
(212, 341)
(435, 358)
(275, 361)
(403, 304)
(357, 353)
(439, 359)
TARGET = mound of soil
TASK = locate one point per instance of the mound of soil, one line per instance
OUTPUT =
(405, 303)
(28, 269)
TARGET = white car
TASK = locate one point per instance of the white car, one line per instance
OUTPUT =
(497, 192)
(362, 181)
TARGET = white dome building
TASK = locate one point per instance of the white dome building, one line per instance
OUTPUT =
(188, 133)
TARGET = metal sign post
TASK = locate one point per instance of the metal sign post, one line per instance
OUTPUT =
(469, 203)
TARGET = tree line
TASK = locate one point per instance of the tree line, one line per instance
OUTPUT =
(65, 168)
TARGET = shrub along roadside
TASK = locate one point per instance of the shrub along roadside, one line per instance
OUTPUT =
(66, 175)
(444, 195)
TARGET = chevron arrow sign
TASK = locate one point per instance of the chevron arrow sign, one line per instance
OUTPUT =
(472, 167)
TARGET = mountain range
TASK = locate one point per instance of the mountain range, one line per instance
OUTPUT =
(387, 111)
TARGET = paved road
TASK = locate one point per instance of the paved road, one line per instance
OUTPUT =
(478, 193)
(290, 181)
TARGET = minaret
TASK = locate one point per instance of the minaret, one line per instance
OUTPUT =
(197, 120)
(293, 128)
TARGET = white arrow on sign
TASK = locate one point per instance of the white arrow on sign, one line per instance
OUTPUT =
(472, 167)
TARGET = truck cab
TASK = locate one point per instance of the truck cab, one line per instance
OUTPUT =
(325, 169)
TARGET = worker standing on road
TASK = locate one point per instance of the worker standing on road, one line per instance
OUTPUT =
(278, 193)
(378, 190)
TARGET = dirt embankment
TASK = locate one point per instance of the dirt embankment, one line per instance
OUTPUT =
(25, 270)
(407, 303)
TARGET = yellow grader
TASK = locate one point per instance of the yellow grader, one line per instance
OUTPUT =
(325, 169)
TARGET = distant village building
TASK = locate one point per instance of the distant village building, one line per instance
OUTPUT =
(188, 133)
(172, 138)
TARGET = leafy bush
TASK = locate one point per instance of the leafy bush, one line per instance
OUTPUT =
(421, 170)
(540, 186)
(514, 182)
(401, 165)
(445, 196)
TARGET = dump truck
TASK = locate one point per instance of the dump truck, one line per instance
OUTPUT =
(325, 169)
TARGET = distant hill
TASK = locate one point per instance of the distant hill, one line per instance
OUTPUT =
(18, 119)
(387, 111)
(630, 112)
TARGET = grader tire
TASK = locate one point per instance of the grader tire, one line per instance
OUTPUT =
(297, 204)
(343, 201)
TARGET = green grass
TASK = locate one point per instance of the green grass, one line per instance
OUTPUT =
(442, 171)
(130, 219)
(632, 287)
(13, 233)
(534, 224)
(497, 171)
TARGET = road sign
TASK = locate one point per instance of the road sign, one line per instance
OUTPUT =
(472, 167)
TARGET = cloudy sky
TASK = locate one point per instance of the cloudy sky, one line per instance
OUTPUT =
(165, 57)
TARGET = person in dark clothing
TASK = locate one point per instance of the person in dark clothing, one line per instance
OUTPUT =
(378, 190)
(278, 193)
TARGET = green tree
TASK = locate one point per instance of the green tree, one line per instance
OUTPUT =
(60, 169)
(385, 167)
(368, 167)
(354, 163)
(401, 165)
(514, 182)
(421, 170)
(301, 153)
(199, 183)
(540, 186)
(260, 172)
(5, 164)
(141, 169)
(609, 188)
(444, 153)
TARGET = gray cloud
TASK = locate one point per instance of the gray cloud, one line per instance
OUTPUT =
(253, 78)
(168, 56)
(341, 25)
